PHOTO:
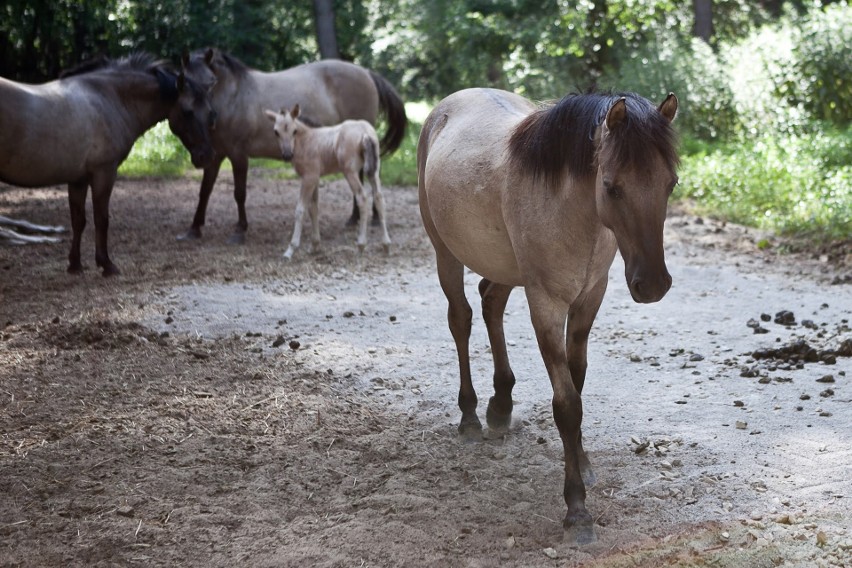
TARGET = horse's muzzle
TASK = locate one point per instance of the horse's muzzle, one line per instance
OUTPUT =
(287, 156)
(647, 290)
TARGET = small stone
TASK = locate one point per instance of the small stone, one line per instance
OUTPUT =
(804, 397)
(125, 511)
(739, 403)
(550, 553)
(765, 317)
(725, 536)
(279, 341)
(740, 425)
(827, 393)
(294, 345)
(169, 319)
(826, 379)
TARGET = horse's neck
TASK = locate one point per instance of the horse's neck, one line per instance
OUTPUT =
(144, 105)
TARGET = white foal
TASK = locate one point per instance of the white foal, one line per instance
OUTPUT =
(345, 148)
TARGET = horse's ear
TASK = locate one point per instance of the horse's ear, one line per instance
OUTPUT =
(668, 107)
(616, 113)
(295, 112)
(209, 55)
(184, 58)
(271, 114)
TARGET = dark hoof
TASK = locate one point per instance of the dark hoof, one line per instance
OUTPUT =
(579, 529)
(237, 238)
(110, 270)
(193, 234)
(470, 430)
(498, 417)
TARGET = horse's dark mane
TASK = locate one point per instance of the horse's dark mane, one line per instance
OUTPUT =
(138, 60)
(561, 137)
(236, 66)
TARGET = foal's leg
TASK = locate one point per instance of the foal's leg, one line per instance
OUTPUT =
(240, 166)
(309, 186)
(102, 182)
(77, 204)
(379, 206)
(548, 319)
(494, 298)
(211, 172)
(352, 177)
(313, 210)
(580, 320)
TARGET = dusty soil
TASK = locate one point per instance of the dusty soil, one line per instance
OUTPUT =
(217, 406)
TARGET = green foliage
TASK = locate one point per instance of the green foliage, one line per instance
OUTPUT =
(792, 184)
(821, 77)
(157, 153)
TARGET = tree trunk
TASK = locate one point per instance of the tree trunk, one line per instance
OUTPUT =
(326, 35)
(703, 19)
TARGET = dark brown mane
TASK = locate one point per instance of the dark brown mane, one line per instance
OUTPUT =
(560, 139)
(234, 65)
(138, 61)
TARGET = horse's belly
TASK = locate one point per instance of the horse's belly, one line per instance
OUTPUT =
(470, 223)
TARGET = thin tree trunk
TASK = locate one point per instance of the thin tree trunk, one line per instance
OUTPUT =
(703, 19)
(326, 35)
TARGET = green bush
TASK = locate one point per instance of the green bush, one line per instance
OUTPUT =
(822, 66)
(693, 72)
(798, 184)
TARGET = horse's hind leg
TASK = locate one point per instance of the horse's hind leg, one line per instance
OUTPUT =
(102, 183)
(77, 203)
(580, 320)
(313, 211)
(494, 298)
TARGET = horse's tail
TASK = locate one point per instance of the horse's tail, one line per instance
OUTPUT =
(371, 155)
(394, 110)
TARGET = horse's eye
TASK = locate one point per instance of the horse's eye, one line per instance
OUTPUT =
(613, 191)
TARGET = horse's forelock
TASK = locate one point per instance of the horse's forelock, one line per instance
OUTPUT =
(645, 132)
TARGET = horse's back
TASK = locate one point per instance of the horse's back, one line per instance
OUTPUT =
(45, 132)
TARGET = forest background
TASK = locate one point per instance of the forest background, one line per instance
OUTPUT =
(765, 86)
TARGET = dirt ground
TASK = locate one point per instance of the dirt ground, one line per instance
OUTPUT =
(217, 406)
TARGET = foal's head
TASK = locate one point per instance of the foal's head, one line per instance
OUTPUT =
(287, 126)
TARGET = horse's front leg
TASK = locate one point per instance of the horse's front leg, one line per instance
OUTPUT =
(77, 204)
(580, 319)
(549, 319)
(494, 298)
(102, 183)
(309, 186)
(315, 226)
(211, 172)
(358, 194)
(240, 167)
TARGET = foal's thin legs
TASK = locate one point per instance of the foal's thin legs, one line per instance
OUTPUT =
(307, 191)
(358, 193)
(379, 206)
(494, 298)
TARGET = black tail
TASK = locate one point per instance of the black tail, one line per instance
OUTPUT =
(371, 156)
(391, 105)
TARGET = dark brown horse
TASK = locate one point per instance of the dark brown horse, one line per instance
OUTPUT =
(328, 92)
(542, 198)
(79, 128)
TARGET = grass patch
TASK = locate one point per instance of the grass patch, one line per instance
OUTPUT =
(158, 153)
(792, 184)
